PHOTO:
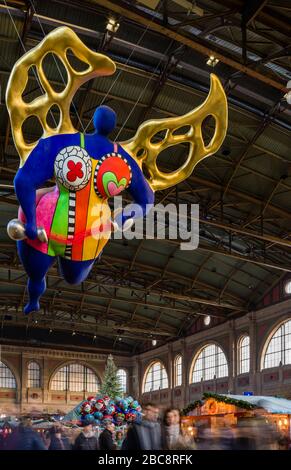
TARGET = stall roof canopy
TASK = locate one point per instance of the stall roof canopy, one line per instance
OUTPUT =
(270, 404)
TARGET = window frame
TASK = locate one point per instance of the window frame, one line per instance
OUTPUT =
(67, 379)
(126, 379)
(216, 365)
(163, 376)
(33, 378)
(178, 374)
(239, 358)
(282, 340)
(8, 377)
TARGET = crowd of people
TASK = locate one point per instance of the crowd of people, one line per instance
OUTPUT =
(148, 433)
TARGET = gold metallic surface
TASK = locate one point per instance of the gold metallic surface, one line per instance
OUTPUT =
(59, 41)
(145, 151)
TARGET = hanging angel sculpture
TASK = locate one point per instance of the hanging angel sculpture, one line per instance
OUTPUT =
(72, 221)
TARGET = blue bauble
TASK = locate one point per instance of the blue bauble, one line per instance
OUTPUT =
(90, 418)
(98, 415)
(110, 409)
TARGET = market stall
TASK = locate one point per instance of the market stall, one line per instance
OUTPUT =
(217, 411)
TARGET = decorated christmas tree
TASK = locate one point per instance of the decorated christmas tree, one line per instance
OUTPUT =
(111, 385)
(109, 403)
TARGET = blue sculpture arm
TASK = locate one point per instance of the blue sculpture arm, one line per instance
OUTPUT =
(38, 168)
(139, 189)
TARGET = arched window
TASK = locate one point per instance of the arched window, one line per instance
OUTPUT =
(122, 377)
(279, 347)
(7, 379)
(210, 362)
(76, 378)
(244, 355)
(156, 377)
(178, 371)
(33, 376)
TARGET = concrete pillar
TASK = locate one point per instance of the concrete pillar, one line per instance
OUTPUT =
(22, 395)
(170, 370)
(232, 358)
(137, 383)
(45, 381)
(255, 379)
(185, 397)
(185, 366)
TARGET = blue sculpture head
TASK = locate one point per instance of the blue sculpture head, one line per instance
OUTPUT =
(104, 120)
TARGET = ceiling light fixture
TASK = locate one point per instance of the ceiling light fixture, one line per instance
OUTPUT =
(212, 61)
(207, 320)
(288, 94)
(154, 342)
(112, 25)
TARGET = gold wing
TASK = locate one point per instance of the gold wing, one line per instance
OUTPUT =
(142, 148)
(57, 42)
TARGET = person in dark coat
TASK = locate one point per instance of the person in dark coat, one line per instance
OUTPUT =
(87, 439)
(106, 441)
(25, 438)
(145, 434)
(171, 429)
(57, 440)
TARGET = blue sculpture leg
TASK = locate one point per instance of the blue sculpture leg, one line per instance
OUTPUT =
(36, 264)
(75, 272)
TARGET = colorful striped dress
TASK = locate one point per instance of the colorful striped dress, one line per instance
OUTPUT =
(75, 213)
